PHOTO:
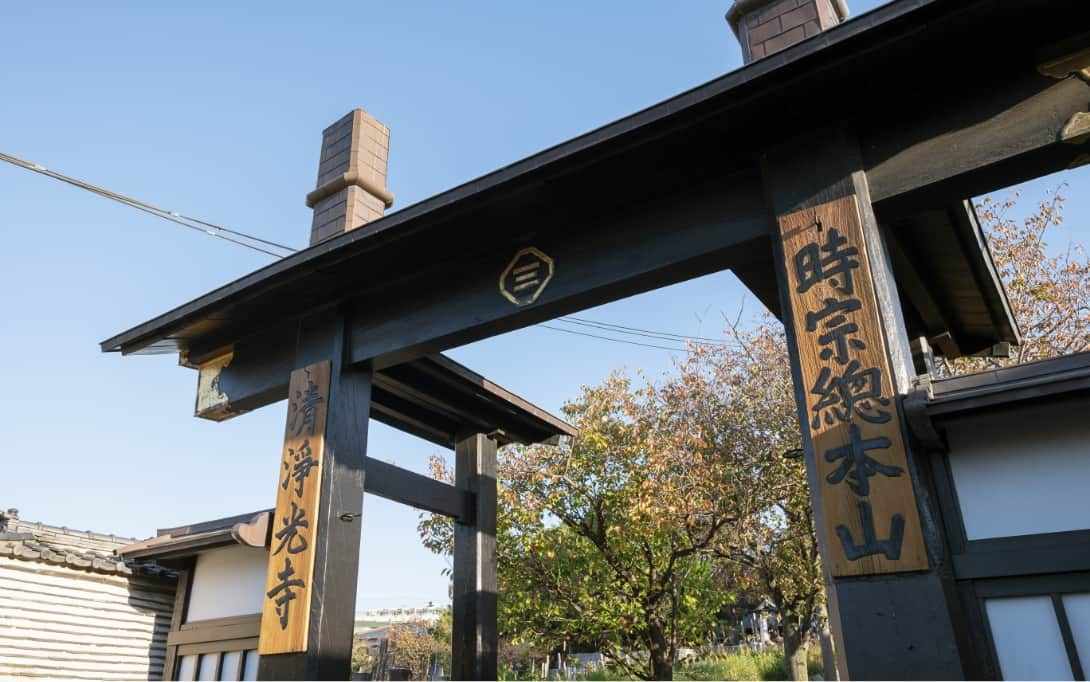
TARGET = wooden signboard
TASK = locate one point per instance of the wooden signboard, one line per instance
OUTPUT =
(866, 492)
(285, 616)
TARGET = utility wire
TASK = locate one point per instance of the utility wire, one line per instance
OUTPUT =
(221, 232)
(210, 229)
(635, 331)
(193, 227)
(608, 326)
(606, 338)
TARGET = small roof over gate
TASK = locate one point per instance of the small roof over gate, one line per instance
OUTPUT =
(440, 400)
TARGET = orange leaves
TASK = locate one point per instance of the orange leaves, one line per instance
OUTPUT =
(613, 532)
(1048, 288)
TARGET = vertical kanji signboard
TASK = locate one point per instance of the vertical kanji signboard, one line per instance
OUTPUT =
(866, 492)
(286, 612)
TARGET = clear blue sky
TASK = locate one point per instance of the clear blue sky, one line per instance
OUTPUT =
(216, 110)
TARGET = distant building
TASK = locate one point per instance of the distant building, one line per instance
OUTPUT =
(71, 608)
(403, 614)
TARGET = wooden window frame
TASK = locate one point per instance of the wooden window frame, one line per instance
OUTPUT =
(181, 605)
(217, 636)
(1053, 586)
(1040, 564)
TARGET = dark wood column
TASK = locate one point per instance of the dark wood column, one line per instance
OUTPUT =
(337, 536)
(892, 608)
(475, 638)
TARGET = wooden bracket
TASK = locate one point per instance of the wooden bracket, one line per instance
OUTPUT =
(919, 421)
(255, 532)
(1079, 161)
(1072, 64)
(1077, 130)
(211, 402)
(946, 344)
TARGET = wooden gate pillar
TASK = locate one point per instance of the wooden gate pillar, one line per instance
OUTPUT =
(475, 640)
(324, 604)
(891, 604)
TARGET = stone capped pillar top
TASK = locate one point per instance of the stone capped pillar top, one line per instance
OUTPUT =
(768, 26)
(351, 189)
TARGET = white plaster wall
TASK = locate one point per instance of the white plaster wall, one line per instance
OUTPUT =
(228, 581)
(1022, 472)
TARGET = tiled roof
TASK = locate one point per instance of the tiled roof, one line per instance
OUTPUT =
(61, 546)
(1068, 375)
(250, 529)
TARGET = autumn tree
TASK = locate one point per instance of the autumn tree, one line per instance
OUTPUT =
(361, 658)
(415, 646)
(441, 632)
(606, 540)
(1048, 289)
(743, 396)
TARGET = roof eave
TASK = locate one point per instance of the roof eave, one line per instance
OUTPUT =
(672, 112)
(213, 534)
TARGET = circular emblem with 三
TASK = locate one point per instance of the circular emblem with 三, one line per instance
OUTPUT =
(526, 276)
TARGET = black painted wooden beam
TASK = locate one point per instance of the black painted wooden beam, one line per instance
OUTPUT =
(916, 605)
(696, 230)
(416, 490)
(249, 374)
(433, 397)
(1004, 127)
(474, 633)
(913, 288)
(338, 528)
(411, 417)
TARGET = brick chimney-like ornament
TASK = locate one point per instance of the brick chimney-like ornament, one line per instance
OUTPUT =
(765, 27)
(351, 189)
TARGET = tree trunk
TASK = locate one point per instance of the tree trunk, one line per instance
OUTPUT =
(795, 647)
(662, 668)
(828, 652)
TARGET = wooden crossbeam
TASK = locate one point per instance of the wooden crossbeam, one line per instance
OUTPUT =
(416, 490)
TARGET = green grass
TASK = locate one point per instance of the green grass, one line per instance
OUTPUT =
(764, 665)
(606, 675)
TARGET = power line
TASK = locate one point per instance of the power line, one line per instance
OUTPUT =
(193, 227)
(606, 338)
(666, 336)
(647, 333)
(221, 232)
(210, 229)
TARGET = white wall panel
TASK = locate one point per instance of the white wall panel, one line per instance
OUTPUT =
(1024, 472)
(228, 581)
